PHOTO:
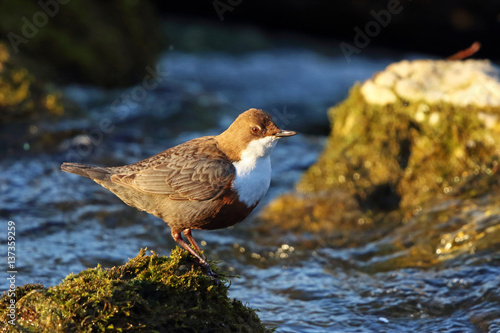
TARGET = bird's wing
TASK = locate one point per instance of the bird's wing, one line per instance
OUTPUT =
(184, 172)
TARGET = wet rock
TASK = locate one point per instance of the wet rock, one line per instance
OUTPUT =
(449, 233)
(148, 293)
(100, 43)
(417, 133)
(318, 213)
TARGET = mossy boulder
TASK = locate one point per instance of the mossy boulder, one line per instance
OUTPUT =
(107, 43)
(417, 132)
(25, 100)
(22, 94)
(149, 293)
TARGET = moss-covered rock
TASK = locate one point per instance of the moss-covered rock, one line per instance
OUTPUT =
(401, 149)
(147, 294)
(457, 227)
(25, 100)
(106, 43)
(21, 94)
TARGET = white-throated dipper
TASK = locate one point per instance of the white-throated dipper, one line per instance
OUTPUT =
(208, 183)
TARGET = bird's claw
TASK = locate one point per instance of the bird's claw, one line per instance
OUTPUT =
(209, 272)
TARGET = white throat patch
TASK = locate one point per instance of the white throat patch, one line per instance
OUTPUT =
(253, 170)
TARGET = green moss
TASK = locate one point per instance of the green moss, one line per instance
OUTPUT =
(391, 160)
(22, 95)
(147, 294)
(456, 228)
(372, 146)
(335, 217)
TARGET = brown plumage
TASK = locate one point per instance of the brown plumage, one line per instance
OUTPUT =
(193, 185)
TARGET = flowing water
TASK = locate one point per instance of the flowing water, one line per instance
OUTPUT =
(67, 223)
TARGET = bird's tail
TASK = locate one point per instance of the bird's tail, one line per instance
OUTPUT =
(90, 171)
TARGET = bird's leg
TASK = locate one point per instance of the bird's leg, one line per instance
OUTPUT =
(176, 235)
(187, 233)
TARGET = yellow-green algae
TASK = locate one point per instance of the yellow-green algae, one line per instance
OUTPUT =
(149, 293)
(384, 162)
(452, 228)
(374, 146)
(21, 94)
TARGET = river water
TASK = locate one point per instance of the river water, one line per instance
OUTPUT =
(67, 223)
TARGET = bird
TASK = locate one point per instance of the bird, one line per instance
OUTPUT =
(207, 183)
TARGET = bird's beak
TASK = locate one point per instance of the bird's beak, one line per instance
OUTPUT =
(284, 133)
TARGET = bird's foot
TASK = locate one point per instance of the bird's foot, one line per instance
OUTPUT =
(202, 260)
(211, 274)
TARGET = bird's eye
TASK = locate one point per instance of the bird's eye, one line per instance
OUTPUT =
(255, 129)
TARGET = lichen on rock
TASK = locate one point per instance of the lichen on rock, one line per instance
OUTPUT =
(149, 293)
(394, 149)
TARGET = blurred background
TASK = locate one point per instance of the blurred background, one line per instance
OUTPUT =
(114, 82)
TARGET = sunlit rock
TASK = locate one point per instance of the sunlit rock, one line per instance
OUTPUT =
(417, 133)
